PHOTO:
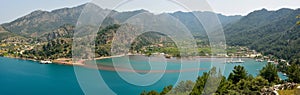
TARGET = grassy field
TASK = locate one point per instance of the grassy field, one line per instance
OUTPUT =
(289, 92)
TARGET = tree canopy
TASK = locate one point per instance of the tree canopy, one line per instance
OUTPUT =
(245, 84)
(293, 73)
(238, 74)
(269, 72)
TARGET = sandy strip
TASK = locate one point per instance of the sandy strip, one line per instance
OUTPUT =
(110, 68)
(67, 61)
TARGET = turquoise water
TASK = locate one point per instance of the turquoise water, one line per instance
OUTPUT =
(31, 78)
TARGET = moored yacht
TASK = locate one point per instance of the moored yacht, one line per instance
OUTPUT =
(259, 60)
(269, 61)
(239, 61)
(236, 61)
(45, 62)
(284, 74)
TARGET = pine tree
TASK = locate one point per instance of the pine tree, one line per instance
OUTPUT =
(238, 74)
(269, 72)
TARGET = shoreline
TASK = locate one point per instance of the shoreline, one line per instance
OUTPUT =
(69, 62)
(61, 61)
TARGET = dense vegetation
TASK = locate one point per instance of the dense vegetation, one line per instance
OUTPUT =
(270, 32)
(238, 82)
(294, 73)
(269, 72)
(57, 48)
(58, 44)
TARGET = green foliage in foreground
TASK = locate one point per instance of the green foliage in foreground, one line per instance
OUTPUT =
(238, 74)
(293, 73)
(269, 72)
(238, 83)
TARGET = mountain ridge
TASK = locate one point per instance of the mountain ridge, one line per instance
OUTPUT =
(43, 21)
(261, 30)
(39, 22)
(253, 30)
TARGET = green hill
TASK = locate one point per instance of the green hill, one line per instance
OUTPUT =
(270, 32)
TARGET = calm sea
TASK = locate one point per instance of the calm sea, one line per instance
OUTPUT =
(23, 77)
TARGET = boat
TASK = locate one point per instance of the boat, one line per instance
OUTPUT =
(269, 61)
(259, 60)
(45, 62)
(284, 74)
(237, 61)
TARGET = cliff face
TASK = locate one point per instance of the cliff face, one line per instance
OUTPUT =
(65, 31)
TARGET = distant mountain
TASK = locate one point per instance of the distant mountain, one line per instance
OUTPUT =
(194, 25)
(260, 24)
(4, 34)
(65, 31)
(284, 45)
(266, 31)
(41, 22)
(123, 16)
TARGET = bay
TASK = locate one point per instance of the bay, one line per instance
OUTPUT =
(31, 78)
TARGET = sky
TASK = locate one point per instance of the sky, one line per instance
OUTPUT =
(13, 9)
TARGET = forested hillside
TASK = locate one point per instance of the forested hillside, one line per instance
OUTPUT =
(270, 32)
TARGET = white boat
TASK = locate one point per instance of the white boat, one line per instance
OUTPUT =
(259, 60)
(237, 61)
(45, 62)
(269, 61)
(284, 74)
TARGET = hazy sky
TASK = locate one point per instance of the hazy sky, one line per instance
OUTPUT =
(13, 9)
